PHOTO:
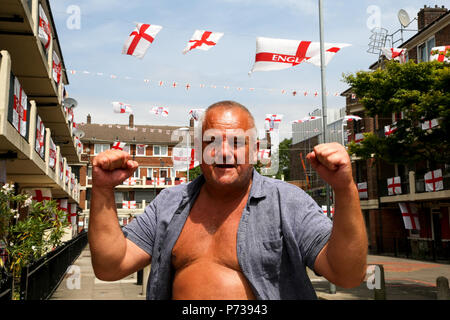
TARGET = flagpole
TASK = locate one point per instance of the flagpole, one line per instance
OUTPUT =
(324, 110)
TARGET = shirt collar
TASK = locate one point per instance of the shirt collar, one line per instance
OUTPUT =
(195, 185)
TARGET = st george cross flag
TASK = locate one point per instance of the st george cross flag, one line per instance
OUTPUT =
(441, 54)
(278, 54)
(358, 138)
(183, 158)
(203, 40)
(44, 33)
(128, 204)
(325, 211)
(263, 154)
(19, 119)
(434, 181)
(429, 124)
(196, 113)
(140, 39)
(311, 118)
(52, 155)
(398, 54)
(394, 186)
(120, 107)
(118, 145)
(131, 181)
(352, 117)
(160, 111)
(362, 190)
(57, 68)
(410, 215)
(63, 205)
(40, 135)
(73, 214)
(388, 130)
(273, 121)
(39, 194)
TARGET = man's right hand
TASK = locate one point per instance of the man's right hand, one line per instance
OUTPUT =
(110, 168)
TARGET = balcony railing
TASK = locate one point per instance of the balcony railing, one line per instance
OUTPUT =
(383, 187)
(40, 278)
(420, 183)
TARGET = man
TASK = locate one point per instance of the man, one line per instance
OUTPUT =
(231, 233)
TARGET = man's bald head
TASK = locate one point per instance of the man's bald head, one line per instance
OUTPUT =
(225, 106)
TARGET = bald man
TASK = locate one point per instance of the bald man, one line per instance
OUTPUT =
(231, 233)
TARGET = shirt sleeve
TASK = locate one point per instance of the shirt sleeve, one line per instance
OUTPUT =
(312, 228)
(142, 229)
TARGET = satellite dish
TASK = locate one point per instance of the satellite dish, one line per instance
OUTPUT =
(70, 103)
(403, 17)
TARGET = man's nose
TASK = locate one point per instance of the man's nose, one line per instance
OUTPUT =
(227, 152)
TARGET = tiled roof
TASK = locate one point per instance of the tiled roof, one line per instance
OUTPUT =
(119, 132)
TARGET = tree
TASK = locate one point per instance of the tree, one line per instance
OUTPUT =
(421, 92)
(284, 159)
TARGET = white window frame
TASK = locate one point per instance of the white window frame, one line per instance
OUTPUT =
(160, 154)
(166, 170)
(103, 147)
(145, 151)
(150, 172)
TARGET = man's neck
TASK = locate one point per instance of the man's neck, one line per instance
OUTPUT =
(221, 194)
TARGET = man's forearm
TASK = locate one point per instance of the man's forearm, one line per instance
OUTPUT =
(106, 240)
(347, 247)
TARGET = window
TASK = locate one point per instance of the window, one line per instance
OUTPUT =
(140, 150)
(98, 148)
(89, 171)
(163, 173)
(160, 150)
(150, 172)
(136, 173)
(126, 148)
(423, 51)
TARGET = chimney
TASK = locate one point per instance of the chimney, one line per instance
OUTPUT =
(131, 123)
(427, 15)
(191, 123)
(88, 121)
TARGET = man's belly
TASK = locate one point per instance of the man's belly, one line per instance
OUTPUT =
(208, 280)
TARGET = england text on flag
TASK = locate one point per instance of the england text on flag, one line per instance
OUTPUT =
(140, 39)
(203, 40)
(278, 54)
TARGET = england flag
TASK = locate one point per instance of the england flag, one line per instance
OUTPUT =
(140, 39)
(278, 54)
(203, 40)
(120, 107)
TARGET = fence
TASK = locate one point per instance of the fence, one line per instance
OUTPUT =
(40, 279)
(6, 285)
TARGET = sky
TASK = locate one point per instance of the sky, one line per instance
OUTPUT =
(92, 42)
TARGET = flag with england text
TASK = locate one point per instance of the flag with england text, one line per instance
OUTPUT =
(278, 54)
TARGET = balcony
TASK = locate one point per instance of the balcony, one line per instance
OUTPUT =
(32, 63)
(145, 183)
(32, 157)
(415, 190)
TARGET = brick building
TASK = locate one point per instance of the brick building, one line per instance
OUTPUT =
(151, 146)
(37, 145)
(386, 230)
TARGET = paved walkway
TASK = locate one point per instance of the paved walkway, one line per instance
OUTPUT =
(92, 288)
(406, 279)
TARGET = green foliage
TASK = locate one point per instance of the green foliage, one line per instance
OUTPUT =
(284, 159)
(28, 235)
(194, 173)
(421, 92)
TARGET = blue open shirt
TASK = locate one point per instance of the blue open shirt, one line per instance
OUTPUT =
(281, 231)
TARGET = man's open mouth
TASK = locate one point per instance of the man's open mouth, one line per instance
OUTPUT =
(225, 166)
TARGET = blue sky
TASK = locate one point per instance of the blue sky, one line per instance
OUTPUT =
(105, 25)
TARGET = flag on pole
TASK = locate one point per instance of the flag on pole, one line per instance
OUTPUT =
(120, 107)
(203, 40)
(278, 54)
(410, 215)
(140, 39)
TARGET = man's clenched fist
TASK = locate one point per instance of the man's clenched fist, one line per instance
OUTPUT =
(110, 168)
(332, 162)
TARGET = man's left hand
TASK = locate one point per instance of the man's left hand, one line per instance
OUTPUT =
(332, 162)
